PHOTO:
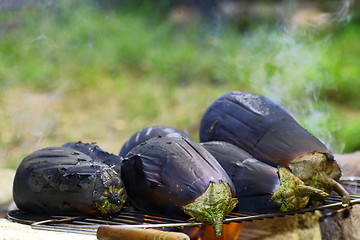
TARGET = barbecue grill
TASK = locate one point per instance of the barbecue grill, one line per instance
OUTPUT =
(132, 218)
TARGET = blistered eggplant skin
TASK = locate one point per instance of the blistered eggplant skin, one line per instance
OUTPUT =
(164, 176)
(59, 180)
(96, 153)
(148, 133)
(254, 181)
(260, 187)
(259, 126)
(270, 134)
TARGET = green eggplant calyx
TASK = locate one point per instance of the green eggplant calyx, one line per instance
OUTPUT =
(293, 194)
(109, 195)
(111, 200)
(317, 171)
(212, 206)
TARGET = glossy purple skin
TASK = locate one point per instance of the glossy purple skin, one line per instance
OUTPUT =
(259, 126)
(163, 174)
(254, 181)
(148, 133)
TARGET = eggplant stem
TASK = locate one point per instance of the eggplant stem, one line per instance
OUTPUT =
(337, 187)
(211, 207)
(318, 171)
(304, 190)
(111, 201)
(293, 194)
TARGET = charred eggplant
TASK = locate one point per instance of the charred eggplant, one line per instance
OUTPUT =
(148, 133)
(59, 180)
(176, 177)
(96, 153)
(270, 134)
(260, 187)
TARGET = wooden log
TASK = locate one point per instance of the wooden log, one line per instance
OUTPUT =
(126, 233)
(341, 224)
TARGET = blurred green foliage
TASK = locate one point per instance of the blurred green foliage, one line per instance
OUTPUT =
(340, 67)
(163, 73)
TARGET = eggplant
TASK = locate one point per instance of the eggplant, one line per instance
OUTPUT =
(148, 133)
(57, 180)
(176, 177)
(260, 187)
(96, 153)
(270, 134)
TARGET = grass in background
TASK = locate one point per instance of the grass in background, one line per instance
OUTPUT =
(74, 72)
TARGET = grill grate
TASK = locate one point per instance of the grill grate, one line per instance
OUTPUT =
(129, 217)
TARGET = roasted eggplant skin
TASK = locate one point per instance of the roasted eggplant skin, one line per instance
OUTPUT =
(166, 176)
(261, 188)
(148, 133)
(259, 126)
(96, 153)
(57, 180)
(270, 134)
(254, 181)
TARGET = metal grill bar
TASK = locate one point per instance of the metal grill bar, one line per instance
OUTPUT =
(135, 219)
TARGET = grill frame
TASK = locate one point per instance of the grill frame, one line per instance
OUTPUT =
(132, 218)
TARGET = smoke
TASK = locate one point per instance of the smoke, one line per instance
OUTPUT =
(343, 15)
(286, 73)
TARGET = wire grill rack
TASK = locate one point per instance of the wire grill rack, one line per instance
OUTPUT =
(129, 217)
